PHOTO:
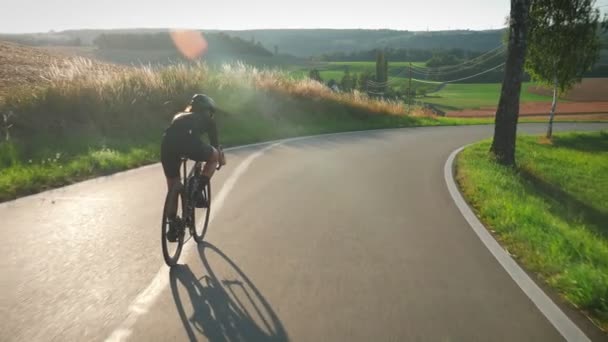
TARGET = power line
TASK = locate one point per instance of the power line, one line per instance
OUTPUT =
(380, 84)
(446, 73)
(383, 84)
(436, 72)
(464, 78)
(469, 64)
(469, 61)
(450, 81)
(459, 68)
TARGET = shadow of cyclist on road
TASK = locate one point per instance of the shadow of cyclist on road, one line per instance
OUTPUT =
(225, 308)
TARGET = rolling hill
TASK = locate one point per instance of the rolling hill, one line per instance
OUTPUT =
(301, 42)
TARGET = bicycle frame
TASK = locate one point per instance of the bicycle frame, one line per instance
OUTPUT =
(186, 190)
(187, 178)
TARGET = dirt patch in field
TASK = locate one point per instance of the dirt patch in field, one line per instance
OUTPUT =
(30, 66)
(20, 65)
(540, 109)
(590, 89)
(581, 117)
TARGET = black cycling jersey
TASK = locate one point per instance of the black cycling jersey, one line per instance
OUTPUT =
(194, 124)
(183, 139)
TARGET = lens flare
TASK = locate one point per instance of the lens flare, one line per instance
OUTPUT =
(191, 44)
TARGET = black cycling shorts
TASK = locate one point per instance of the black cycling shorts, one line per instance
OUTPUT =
(175, 147)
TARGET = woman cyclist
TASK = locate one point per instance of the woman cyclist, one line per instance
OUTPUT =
(182, 139)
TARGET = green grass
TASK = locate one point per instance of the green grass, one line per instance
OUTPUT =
(396, 82)
(357, 67)
(58, 163)
(471, 96)
(455, 96)
(20, 179)
(327, 75)
(551, 212)
(89, 121)
(55, 167)
(398, 75)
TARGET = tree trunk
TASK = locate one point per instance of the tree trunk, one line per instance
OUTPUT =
(553, 105)
(505, 129)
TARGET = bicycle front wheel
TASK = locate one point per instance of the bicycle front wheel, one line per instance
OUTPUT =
(200, 228)
(172, 245)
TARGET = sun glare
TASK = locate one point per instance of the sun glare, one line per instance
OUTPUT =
(191, 44)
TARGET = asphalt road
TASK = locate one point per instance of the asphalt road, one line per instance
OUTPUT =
(350, 237)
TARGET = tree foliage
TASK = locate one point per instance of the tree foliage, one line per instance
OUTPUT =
(381, 71)
(563, 41)
(314, 74)
(442, 59)
(348, 81)
(381, 67)
(364, 79)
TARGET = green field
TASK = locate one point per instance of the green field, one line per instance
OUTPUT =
(398, 73)
(449, 97)
(550, 212)
(471, 96)
(456, 96)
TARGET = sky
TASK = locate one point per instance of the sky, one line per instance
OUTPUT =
(45, 15)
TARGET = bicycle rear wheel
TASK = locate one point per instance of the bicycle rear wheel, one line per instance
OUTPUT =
(172, 250)
(200, 228)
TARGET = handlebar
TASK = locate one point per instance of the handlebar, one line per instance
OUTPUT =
(219, 165)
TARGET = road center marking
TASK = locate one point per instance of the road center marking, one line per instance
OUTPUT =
(145, 299)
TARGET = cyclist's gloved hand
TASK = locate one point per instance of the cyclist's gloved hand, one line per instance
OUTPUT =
(222, 157)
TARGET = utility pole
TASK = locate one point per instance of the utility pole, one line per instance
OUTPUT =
(409, 95)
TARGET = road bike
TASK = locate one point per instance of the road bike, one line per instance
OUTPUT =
(186, 191)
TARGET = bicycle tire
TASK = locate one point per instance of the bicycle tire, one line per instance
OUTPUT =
(200, 238)
(171, 260)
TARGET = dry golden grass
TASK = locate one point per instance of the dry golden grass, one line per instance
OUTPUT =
(276, 81)
(72, 95)
(23, 66)
(76, 107)
(63, 75)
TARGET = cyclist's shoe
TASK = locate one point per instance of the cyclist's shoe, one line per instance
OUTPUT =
(201, 201)
(174, 228)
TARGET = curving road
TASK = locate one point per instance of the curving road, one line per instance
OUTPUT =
(350, 237)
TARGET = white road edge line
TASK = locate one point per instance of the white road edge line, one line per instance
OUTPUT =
(145, 299)
(570, 331)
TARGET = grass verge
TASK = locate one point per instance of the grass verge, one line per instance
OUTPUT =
(59, 163)
(551, 212)
(457, 96)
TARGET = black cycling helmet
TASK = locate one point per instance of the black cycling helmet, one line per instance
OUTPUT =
(202, 102)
